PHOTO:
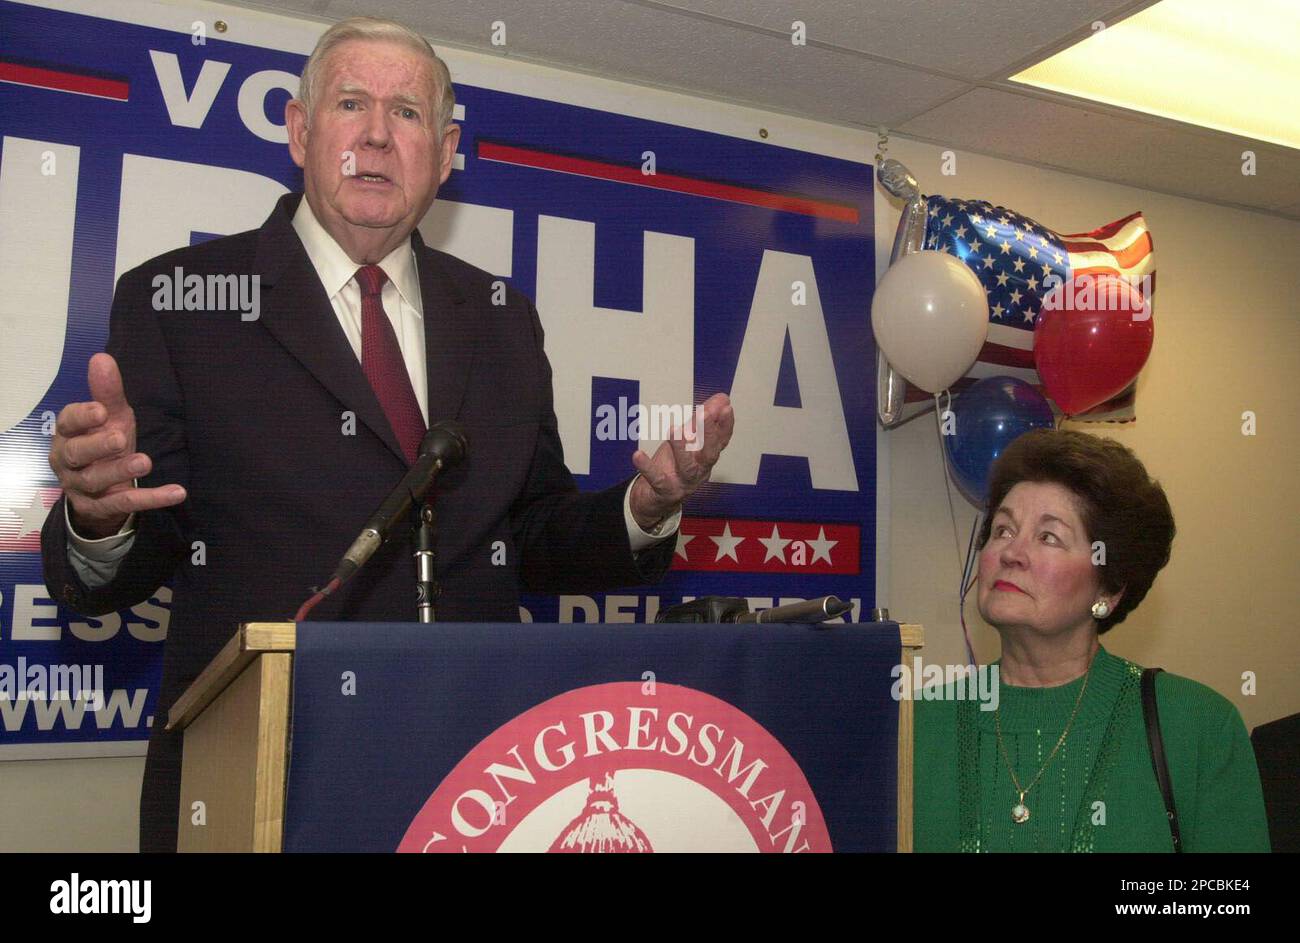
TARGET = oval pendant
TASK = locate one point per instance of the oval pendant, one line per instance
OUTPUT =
(1020, 813)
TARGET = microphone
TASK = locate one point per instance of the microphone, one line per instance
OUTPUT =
(725, 609)
(443, 446)
(814, 610)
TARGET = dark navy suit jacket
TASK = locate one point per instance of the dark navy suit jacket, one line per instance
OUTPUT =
(250, 417)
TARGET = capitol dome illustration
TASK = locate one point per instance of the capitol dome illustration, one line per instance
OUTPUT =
(601, 827)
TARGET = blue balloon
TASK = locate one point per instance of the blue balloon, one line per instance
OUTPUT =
(989, 415)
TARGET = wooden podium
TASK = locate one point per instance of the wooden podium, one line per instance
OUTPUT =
(236, 719)
(237, 722)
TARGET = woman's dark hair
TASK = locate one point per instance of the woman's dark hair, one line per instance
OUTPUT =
(1121, 505)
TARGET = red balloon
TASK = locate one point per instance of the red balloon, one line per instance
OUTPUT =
(1092, 338)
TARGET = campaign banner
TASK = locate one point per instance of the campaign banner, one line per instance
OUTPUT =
(668, 263)
(593, 738)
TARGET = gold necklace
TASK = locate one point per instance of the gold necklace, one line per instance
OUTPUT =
(1020, 811)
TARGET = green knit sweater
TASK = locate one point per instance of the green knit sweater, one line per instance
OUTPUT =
(1099, 793)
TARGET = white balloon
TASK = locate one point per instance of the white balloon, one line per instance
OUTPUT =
(930, 316)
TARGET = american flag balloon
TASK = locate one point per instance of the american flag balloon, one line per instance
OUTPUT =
(1013, 257)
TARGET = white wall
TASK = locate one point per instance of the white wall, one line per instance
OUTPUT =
(71, 805)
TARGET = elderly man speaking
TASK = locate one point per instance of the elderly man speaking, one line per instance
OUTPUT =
(238, 457)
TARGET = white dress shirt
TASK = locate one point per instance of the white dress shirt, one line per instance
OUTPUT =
(97, 561)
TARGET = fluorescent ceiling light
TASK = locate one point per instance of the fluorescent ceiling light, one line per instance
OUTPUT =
(1232, 65)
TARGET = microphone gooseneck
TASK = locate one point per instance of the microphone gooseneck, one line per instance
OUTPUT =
(443, 446)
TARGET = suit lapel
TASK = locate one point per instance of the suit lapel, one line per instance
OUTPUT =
(299, 315)
(450, 335)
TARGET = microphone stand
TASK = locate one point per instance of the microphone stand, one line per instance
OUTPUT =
(426, 586)
(443, 446)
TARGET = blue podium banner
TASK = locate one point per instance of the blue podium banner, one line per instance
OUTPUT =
(593, 738)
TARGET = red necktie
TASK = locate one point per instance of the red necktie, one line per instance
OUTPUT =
(381, 359)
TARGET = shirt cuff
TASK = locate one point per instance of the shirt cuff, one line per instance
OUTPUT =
(642, 539)
(103, 549)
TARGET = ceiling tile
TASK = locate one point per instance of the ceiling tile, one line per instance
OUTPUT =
(645, 44)
(966, 38)
(1130, 150)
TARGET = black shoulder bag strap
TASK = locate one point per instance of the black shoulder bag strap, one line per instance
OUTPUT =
(1158, 762)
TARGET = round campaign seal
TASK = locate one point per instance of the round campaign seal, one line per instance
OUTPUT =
(625, 766)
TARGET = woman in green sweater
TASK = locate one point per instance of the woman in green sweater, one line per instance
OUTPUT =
(1063, 762)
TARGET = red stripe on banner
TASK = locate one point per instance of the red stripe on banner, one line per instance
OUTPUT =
(735, 545)
(1127, 257)
(60, 81)
(20, 522)
(1095, 270)
(1104, 232)
(600, 170)
(1006, 356)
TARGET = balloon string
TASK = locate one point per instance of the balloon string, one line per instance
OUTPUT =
(943, 460)
(967, 581)
(963, 563)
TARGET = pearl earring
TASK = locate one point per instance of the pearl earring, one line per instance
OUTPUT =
(1100, 609)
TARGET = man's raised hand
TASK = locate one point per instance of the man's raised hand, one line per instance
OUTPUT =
(681, 464)
(93, 454)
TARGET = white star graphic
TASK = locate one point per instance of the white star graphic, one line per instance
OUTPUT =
(821, 546)
(1002, 220)
(991, 230)
(1005, 247)
(32, 516)
(1047, 270)
(1002, 278)
(947, 220)
(726, 543)
(997, 311)
(1015, 297)
(1032, 283)
(934, 211)
(1058, 257)
(683, 539)
(1020, 237)
(976, 218)
(961, 232)
(1033, 252)
(1029, 315)
(988, 262)
(775, 545)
